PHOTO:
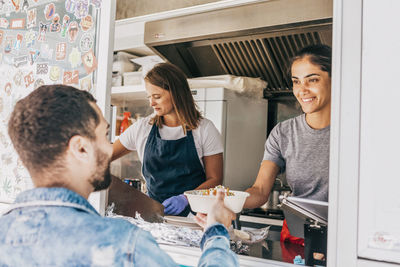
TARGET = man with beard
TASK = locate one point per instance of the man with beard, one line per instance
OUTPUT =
(60, 135)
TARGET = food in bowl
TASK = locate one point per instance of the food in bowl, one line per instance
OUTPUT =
(202, 200)
(213, 191)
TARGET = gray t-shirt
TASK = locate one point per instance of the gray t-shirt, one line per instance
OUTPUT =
(303, 153)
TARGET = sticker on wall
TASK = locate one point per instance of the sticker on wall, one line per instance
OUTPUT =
(18, 78)
(42, 68)
(55, 25)
(96, 3)
(72, 31)
(42, 32)
(70, 6)
(4, 23)
(74, 58)
(17, 24)
(61, 50)
(25, 5)
(86, 23)
(29, 79)
(86, 42)
(20, 61)
(89, 61)
(8, 89)
(1, 36)
(18, 42)
(55, 72)
(31, 18)
(81, 8)
(49, 11)
(33, 56)
(64, 26)
(46, 52)
(86, 83)
(30, 38)
(39, 82)
(16, 4)
(71, 77)
(8, 44)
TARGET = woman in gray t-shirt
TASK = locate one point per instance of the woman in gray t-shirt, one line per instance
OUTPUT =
(300, 146)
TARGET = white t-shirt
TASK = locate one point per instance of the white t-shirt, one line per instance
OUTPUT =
(206, 137)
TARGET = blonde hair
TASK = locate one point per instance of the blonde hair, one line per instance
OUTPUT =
(169, 77)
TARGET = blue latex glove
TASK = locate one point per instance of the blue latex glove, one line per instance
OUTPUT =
(175, 205)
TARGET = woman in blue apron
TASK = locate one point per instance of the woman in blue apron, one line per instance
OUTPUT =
(179, 149)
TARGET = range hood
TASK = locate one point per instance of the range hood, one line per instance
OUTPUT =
(255, 40)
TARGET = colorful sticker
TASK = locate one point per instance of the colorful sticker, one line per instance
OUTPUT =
(16, 4)
(55, 25)
(39, 82)
(71, 77)
(20, 61)
(4, 23)
(64, 26)
(31, 18)
(89, 61)
(42, 68)
(29, 79)
(18, 42)
(74, 58)
(17, 24)
(46, 52)
(72, 31)
(96, 3)
(30, 38)
(8, 89)
(49, 11)
(86, 23)
(54, 74)
(33, 56)
(42, 32)
(9, 44)
(1, 36)
(86, 42)
(70, 6)
(18, 78)
(86, 83)
(61, 50)
(81, 8)
(25, 5)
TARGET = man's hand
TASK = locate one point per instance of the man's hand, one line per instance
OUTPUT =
(218, 213)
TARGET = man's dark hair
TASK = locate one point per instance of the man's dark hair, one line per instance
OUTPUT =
(43, 122)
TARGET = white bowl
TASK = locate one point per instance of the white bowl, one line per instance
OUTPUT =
(202, 203)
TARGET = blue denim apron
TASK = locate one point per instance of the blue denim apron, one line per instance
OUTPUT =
(171, 167)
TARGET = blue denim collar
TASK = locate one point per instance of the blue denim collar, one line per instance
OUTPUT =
(55, 194)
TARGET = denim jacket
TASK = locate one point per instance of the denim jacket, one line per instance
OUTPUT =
(58, 227)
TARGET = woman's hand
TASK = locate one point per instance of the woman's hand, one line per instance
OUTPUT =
(175, 205)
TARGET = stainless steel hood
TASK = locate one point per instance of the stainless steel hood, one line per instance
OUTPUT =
(255, 40)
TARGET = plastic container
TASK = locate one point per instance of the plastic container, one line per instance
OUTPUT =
(133, 78)
(203, 203)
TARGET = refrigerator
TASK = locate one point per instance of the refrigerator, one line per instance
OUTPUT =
(241, 120)
(50, 42)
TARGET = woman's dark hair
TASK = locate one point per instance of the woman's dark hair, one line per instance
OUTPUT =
(43, 122)
(320, 55)
(169, 77)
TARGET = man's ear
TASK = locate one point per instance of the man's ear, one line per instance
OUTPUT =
(80, 148)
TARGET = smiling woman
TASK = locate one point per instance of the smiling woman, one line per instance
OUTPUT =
(300, 146)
